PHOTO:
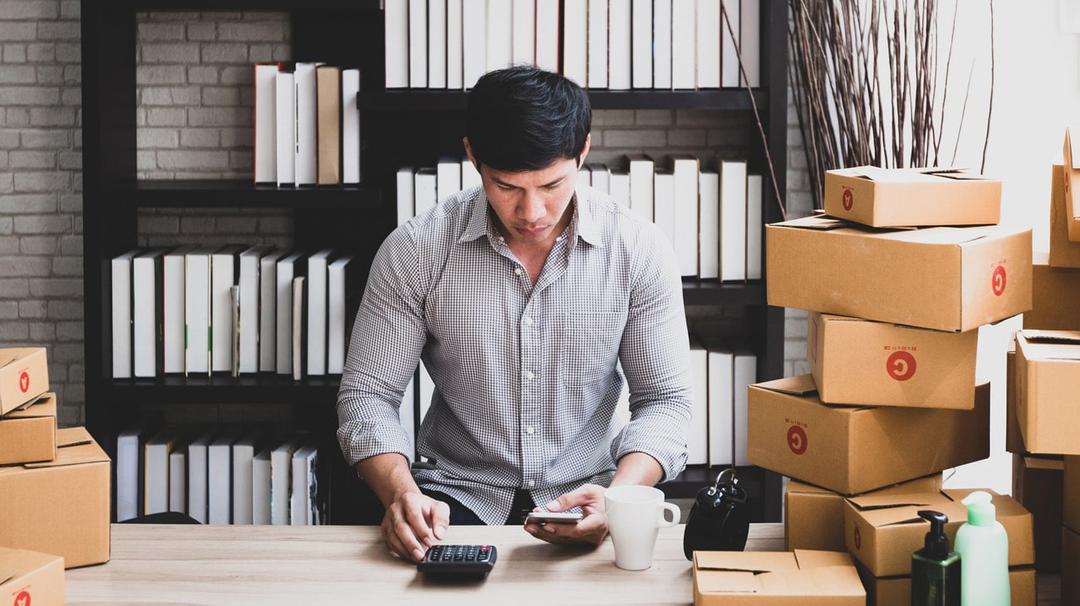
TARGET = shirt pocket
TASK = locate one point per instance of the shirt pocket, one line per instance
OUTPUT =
(591, 348)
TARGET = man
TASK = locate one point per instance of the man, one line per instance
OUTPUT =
(520, 296)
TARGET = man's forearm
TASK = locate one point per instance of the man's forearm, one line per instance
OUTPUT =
(637, 468)
(388, 475)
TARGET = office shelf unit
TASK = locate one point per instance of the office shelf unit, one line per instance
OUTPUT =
(398, 128)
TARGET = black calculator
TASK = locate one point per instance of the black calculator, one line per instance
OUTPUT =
(458, 561)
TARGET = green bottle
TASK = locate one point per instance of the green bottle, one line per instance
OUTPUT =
(983, 546)
(935, 571)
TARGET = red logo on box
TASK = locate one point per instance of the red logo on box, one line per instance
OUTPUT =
(997, 281)
(900, 365)
(796, 439)
(23, 599)
(849, 199)
(24, 381)
(858, 538)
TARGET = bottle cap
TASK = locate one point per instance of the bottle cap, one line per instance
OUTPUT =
(980, 509)
(936, 545)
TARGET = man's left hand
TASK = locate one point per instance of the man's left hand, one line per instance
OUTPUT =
(590, 530)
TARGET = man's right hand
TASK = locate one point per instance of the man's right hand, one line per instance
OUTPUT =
(414, 522)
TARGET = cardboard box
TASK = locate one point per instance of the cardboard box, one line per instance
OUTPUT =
(24, 375)
(896, 591)
(944, 278)
(1014, 442)
(884, 530)
(807, 578)
(912, 197)
(1069, 185)
(874, 363)
(28, 435)
(62, 506)
(1047, 381)
(856, 450)
(1070, 512)
(1055, 297)
(29, 578)
(1070, 566)
(1037, 484)
(814, 517)
(1063, 251)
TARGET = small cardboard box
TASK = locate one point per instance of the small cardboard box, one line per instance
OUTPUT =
(806, 578)
(28, 435)
(814, 517)
(882, 531)
(1070, 566)
(912, 197)
(29, 578)
(896, 591)
(1069, 185)
(24, 375)
(1071, 489)
(1014, 442)
(860, 362)
(1063, 251)
(853, 450)
(945, 278)
(1038, 486)
(1047, 381)
(62, 506)
(1055, 296)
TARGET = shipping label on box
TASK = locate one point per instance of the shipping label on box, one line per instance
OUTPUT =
(24, 375)
(1047, 382)
(814, 578)
(853, 450)
(859, 362)
(1055, 297)
(944, 278)
(28, 434)
(1038, 486)
(912, 197)
(896, 591)
(30, 578)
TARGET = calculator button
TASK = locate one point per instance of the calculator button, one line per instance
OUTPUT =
(459, 556)
(482, 557)
(470, 557)
(447, 556)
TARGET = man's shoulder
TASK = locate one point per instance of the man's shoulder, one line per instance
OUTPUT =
(444, 223)
(618, 225)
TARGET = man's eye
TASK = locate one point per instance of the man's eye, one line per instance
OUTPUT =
(504, 187)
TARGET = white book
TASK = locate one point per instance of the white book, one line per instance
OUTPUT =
(642, 61)
(178, 478)
(455, 47)
(250, 264)
(219, 483)
(641, 185)
(147, 282)
(175, 276)
(470, 177)
(299, 311)
(302, 499)
(197, 312)
(732, 220)
(729, 59)
(600, 178)
(338, 314)
(474, 39)
(418, 41)
(664, 203)
(260, 488)
(222, 278)
(447, 178)
(281, 482)
(745, 375)
(620, 187)
(686, 213)
(287, 269)
(662, 44)
(698, 440)
(268, 310)
(754, 227)
(397, 44)
(316, 312)
(307, 133)
(708, 43)
(721, 406)
(407, 414)
(683, 44)
(620, 44)
(128, 452)
(709, 240)
(524, 34)
(406, 203)
(584, 176)
(121, 315)
(598, 44)
(750, 42)
(243, 456)
(156, 473)
(265, 121)
(427, 392)
(547, 35)
(285, 130)
(350, 127)
(198, 479)
(436, 45)
(500, 30)
(575, 41)
(425, 190)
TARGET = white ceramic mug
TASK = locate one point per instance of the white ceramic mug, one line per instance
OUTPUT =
(635, 513)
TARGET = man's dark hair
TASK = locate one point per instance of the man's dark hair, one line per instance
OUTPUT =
(524, 118)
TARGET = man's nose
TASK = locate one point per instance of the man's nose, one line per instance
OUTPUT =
(531, 208)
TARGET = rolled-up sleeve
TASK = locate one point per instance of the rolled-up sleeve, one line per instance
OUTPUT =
(387, 339)
(655, 356)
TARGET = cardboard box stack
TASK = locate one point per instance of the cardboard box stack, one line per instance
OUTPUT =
(55, 483)
(1070, 548)
(898, 277)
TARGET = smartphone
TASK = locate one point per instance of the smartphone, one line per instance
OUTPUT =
(556, 517)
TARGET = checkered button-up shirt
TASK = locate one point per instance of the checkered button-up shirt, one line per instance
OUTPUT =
(526, 382)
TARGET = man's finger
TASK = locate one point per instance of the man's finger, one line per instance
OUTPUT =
(437, 514)
(592, 523)
(415, 518)
(408, 540)
(575, 498)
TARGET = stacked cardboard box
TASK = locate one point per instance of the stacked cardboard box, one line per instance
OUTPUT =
(1070, 549)
(898, 278)
(28, 578)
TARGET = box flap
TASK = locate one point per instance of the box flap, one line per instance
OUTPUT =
(11, 354)
(945, 235)
(754, 562)
(797, 487)
(727, 581)
(815, 222)
(801, 385)
(15, 563)
(1050, 344)
(45, 406)
(1045, 463)
(875, 501)
(812, 558)
(908, 175)
(74, 446)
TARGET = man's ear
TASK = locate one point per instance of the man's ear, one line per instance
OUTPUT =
(469, 153)
(585, 150)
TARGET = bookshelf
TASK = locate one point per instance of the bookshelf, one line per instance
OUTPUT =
(407, 127)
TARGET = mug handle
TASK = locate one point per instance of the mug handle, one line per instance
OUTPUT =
(662, 521)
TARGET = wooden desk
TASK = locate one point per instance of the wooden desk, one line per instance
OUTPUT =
(349, 565)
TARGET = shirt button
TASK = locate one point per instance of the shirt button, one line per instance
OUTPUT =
(530, 430)
(531, 483)
(530, 376)
(517, 271)
(502, 239)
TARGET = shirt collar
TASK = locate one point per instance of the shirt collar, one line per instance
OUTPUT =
(582, 222)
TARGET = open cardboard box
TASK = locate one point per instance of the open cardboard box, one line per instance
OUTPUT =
(28, 434)
(1037, 484)
(1048, 381)
(24, 375)
(860, 362)
(1055, 296)
(29, 578)
(912, 197)
(896, 591)
(806, 578)
(853, 450)
(944, 278)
